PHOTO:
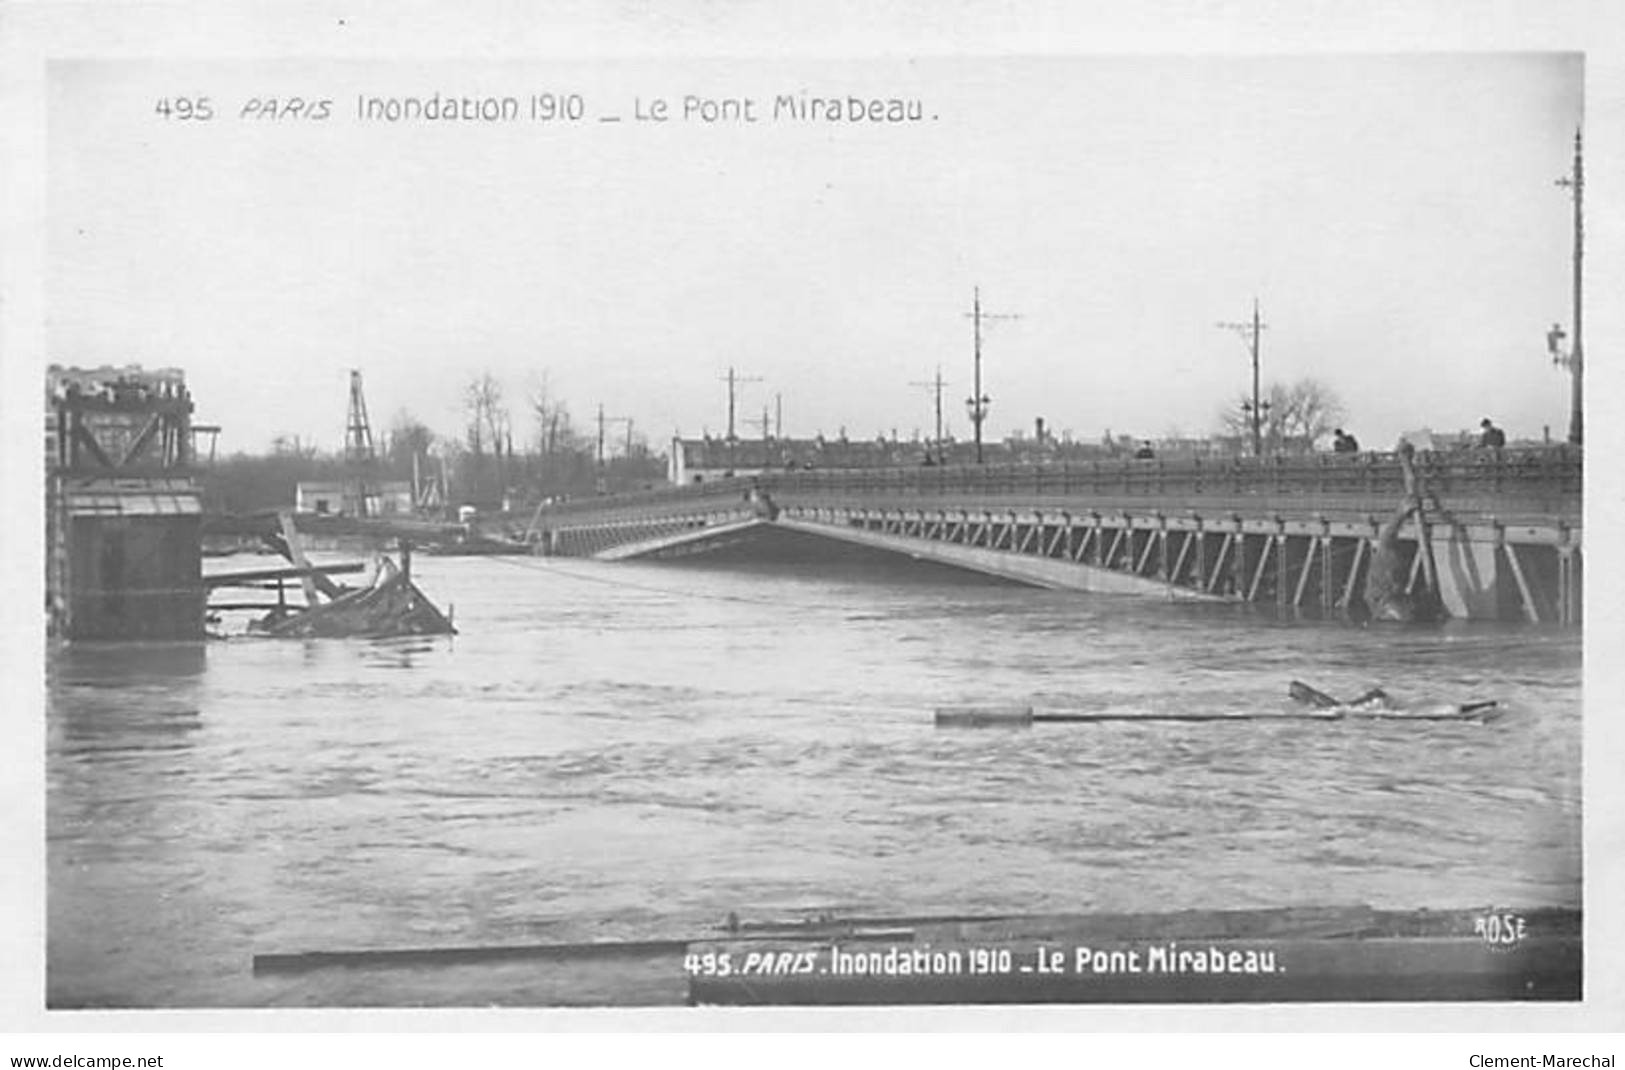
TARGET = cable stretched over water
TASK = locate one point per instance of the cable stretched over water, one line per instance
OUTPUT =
(541, 565)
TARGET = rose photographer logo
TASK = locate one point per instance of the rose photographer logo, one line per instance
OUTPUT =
(1500, 931)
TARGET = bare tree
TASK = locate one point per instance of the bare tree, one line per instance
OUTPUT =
(487, 424)
(1294, 420)
(555, 433)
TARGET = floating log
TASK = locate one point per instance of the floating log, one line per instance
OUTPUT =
(984, 716)
(1024, 716)
(240, 606)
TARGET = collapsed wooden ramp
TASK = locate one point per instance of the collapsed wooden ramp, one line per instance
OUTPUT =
(392, 606)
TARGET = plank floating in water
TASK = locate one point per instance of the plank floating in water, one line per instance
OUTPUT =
(1022, 717)
(260, 575)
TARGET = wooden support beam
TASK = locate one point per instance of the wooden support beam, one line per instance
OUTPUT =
(1283, 570)
(1328, 574)
(140, 441)
(1258, 573)
(312, 579)
(1084, 544)
(1218, 562)
(85, 439)
(254, 576)
(1531, 611)
(1303, 576)
(1145, 555)
(1111, 554)
(1179, 562)
(1354, 571)
(1416, 572)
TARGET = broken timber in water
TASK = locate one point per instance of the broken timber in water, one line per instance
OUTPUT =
(392, 605)
(1373, 705)
(1377, 703)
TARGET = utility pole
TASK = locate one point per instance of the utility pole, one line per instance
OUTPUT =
(733, 379)
(978, 403)
(1574, 359)
(602, 420)
(778, 415)
(1250, 332)
(936, 386)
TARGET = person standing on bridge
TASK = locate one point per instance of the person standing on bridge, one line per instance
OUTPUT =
(1493, 438)
(1344, 443)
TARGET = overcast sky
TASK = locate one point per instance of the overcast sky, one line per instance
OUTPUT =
(1396, 217)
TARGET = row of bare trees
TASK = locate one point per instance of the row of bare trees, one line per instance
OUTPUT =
(557, 459)
(1294, 418)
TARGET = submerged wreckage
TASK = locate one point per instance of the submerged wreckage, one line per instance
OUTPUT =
(390, 605)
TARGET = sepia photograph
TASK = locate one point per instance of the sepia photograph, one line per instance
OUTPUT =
(677, 532)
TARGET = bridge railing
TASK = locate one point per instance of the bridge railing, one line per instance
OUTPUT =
(1548, 477)
(1556, 469)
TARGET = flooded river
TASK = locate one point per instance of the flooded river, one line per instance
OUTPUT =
(623, 750)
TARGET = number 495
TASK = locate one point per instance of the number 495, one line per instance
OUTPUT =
(185, 108)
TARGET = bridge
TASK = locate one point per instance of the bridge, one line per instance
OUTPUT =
(1503, 527)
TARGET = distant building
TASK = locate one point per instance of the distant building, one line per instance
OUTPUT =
(389, 498)
(701, 460)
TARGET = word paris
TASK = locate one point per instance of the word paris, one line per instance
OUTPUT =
(559, 108)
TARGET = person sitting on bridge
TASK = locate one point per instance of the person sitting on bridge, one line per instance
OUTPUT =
(1145, 452)
(1493, 437)
(1344, 443)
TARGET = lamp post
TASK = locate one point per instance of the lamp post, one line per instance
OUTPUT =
(977, 404)
(977, 407)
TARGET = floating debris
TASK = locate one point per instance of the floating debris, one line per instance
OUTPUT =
(392, 606)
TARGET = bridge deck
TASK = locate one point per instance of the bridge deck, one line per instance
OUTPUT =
(1499, 537)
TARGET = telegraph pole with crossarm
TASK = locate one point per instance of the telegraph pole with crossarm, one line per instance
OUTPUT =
(1250, 332)
(936, 385)
(733, 380)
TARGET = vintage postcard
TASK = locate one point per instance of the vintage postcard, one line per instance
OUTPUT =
(1087, 531)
